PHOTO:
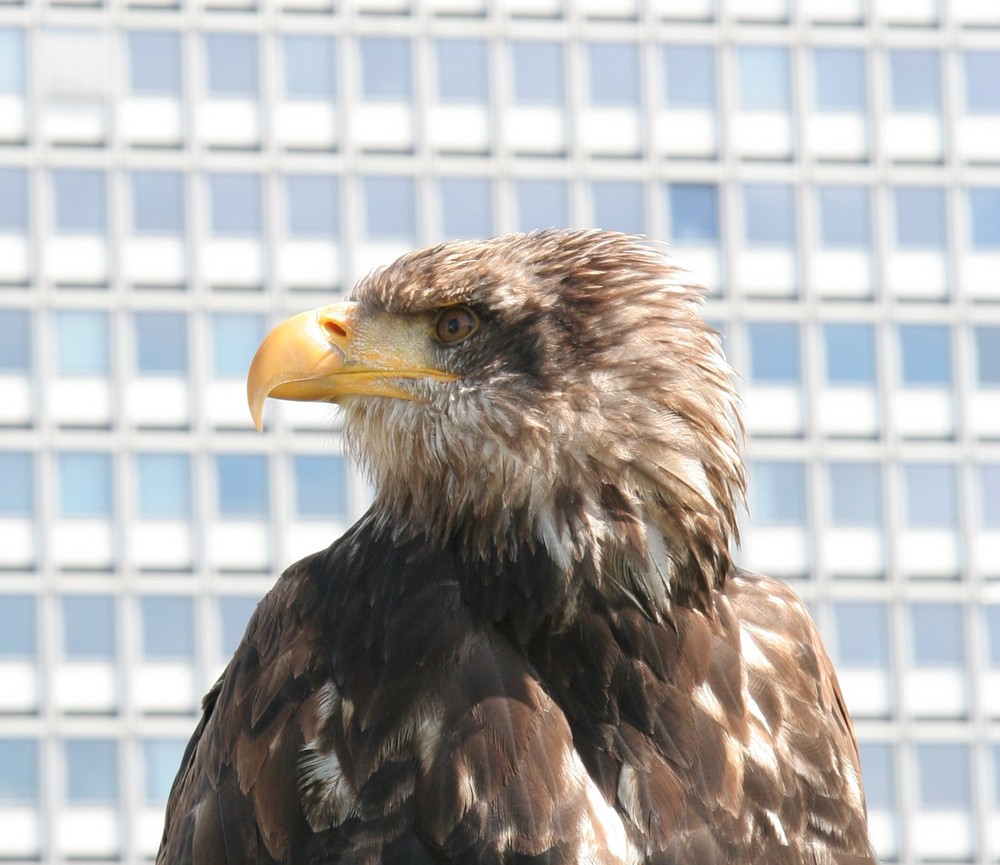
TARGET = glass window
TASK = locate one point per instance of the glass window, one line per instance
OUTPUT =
(991, 615)
(694, 212)
(235, 337)
(541, 204)
(613, 73)
(167, 628)
(17, 492)
(310, 66)
(85, 487)
(466, 207)
(862, 633)
(80, 201)
(841, 83)
(232, 64)
(161, 342)
(157, 202)
(844, 216)
(320, 486)
(774, 352)
(989, 494)
(462, 70)
(161, 759)
(945, 776)
(82, 342)
(13, 200)
(92, 771)
(920, 217)
(89, 626)
(390, 208)
(690, 75)
(855, 494)
(15, 347)
(938, 634)
(778, 493)
(878, 770)
(313, 206)
(619, 205)
(926, 354)
(19, 772)
(931, 495)
(769, 214)
(849, 353)
(982, 72)
(987, 340)
(234, 613)
(386, 69)
(154, 63)
(915, 79)
(164, 486)
(11, 60)
(243, 487)
(764, 78)
(235, 204)
(539, 73)
(19, 634)
(984, 207)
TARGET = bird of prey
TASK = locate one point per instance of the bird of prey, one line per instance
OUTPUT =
(535, 646)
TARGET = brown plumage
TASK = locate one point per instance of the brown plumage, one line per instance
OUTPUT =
(535, 645)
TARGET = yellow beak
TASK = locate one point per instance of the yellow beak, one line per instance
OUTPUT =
(334, 351)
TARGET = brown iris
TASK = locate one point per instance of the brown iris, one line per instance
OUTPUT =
(455, 324)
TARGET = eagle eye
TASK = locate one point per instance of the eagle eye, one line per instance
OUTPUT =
(455, 324)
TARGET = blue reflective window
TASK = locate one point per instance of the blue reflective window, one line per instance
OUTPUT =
(915, 79)
(85, 486)
(541, 204)
(769, 214)
(925, 351)
(236, 205)
(841, 79)
(386, 69)
(160, 760)
(90, 627)
(466, 207)
(154, 63)
(243, 488)
(15, 347)
(619, 205)
(81, 205)
(991, 617)
(164, 486)
(313, 205)
(849, 353)
(931, 495)
(13, 200)
(19, 635)
(982, 72)
(19, 772)
(774, 352)
(235, 337)
(539, 73)
(984, 207)
(694, 212)
(463, 70)
(161, 342)
(989, 494)
(987, 341)
(878, 770)
(778, 493)
(167, 627)
(17, 492)
(82, 342)
(862, 633)
(920, 217)
(613, 73)
(310, 66)
(233, 65)
(320, 486)
(855, 494)
(11, 60)
(844, 216)
(945, 776)
(234, 613)
(690, 75)
(158, 202)
(764, 78)
(390, 208)
(938, 634)
(92, 771)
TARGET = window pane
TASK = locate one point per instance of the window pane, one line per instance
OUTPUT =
(161, 342)
(774, 352)
(15, 347)
(938, 634)
(915, 80)
(82, 342)
(984, 205)
(390, 208)
(920, 217)
(232, 64)
(313, 206)
(613, 73)
(462, 70)
(690, 74)
(164, 486)
(988, 355)
(154, 63)
(931, 495)
(769, 214)
(85, 485)
(982, 72)
(989, 494)
(539, 76)
(235, 204)
(850, 353)
(19, 772)
(694, 212)
(310, 66)
(862, 633)
(844, 216)
(80, 201)
(17, 492)
(235, 337)
(386, 69)
(926, 354)
(840, 79)
(167, 628)
(89, 626)
(320, 486)
(991, 616)
(234, 613)
(243, 488)
(778, 493)
(878, 771)
(466, 207)
(619, 205)
(11, 60)
(91, 771)
(541, 204)
(13, 199)
(158, 202)
(855, 494)
(764, 78)
(945, 776)
(19, 635)
(160, 761)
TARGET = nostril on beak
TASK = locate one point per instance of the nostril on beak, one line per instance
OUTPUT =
(333, 328)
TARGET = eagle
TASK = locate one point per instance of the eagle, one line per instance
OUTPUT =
(535, 646)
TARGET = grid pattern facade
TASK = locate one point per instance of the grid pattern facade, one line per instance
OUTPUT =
(177, 175)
